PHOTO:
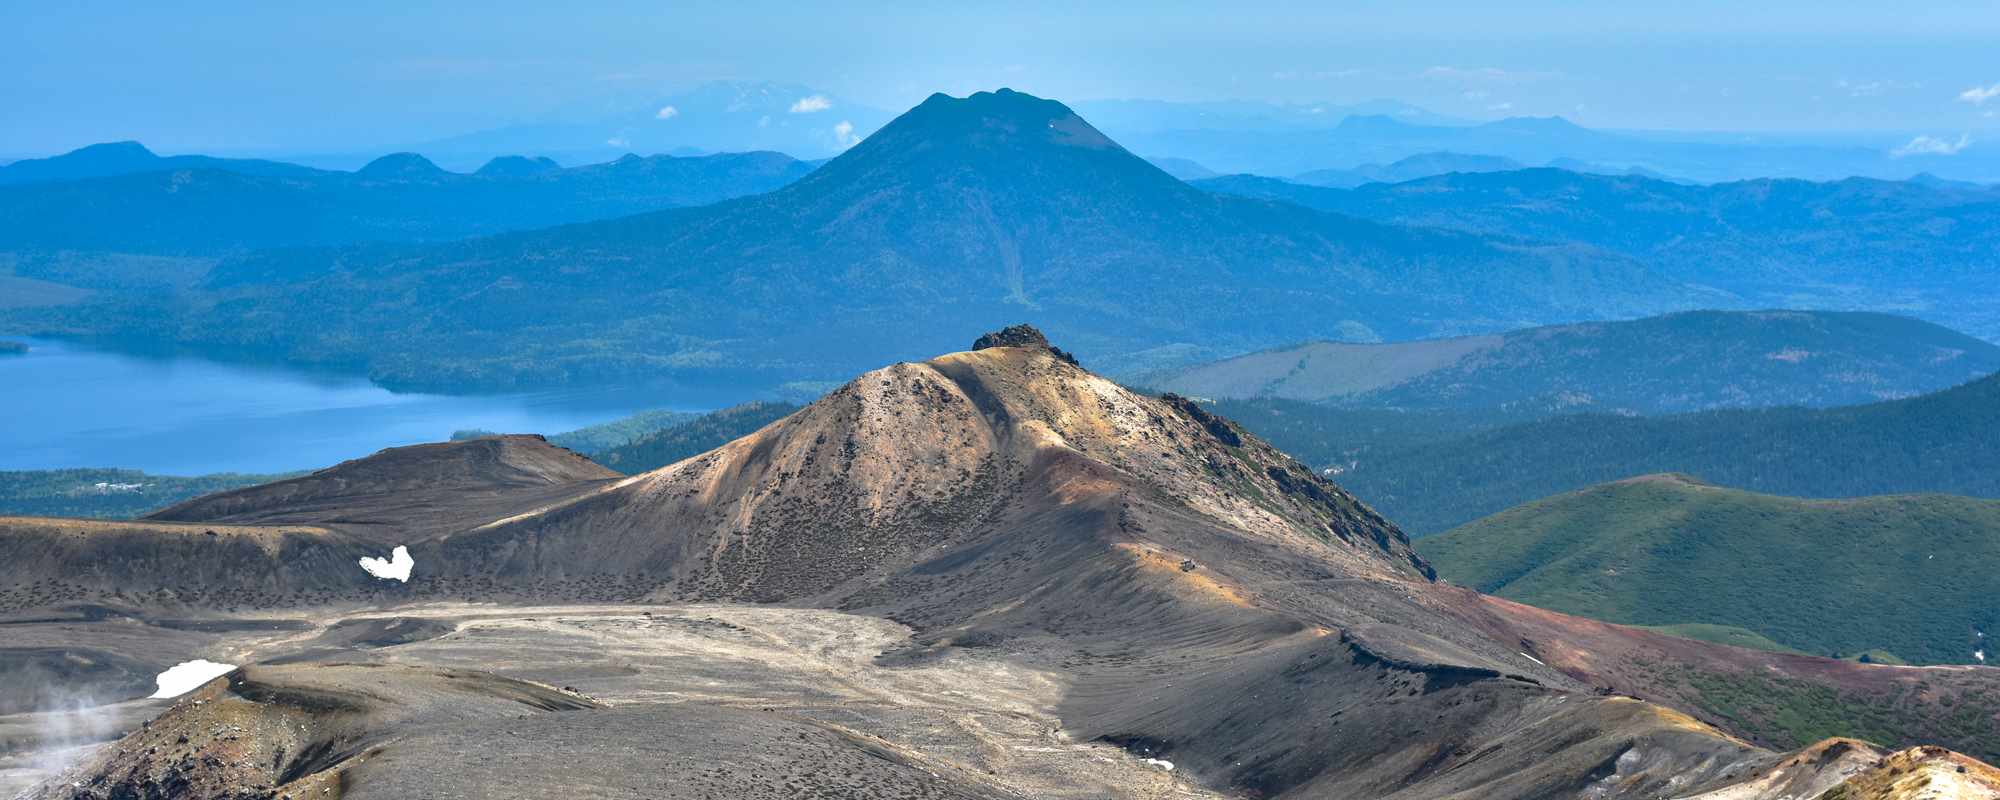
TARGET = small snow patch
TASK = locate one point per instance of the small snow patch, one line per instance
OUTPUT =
(1532, 658)
(1160, 764)
(188, 676)
(394, 568)
(1980, 655)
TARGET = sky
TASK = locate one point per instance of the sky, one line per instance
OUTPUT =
(259, 77)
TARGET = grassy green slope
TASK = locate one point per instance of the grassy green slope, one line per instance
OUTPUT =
(1722, 634)
(1913, 575)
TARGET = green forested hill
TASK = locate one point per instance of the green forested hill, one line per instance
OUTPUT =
(1430, 473)
(112, 493)
(1689, 361)
(1913, 575)
(692, 437)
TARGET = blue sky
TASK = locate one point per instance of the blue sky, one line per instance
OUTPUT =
(241, 76)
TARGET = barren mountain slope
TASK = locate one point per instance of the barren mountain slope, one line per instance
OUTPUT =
(1169, 584)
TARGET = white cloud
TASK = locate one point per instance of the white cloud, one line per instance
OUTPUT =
(1932, 146)
(667, 112)
(1874, 88)
(811, 105)
(1501, 107)
(1978, 95)
(1314, 74)
(618, 141)
(843, 132)
(1486, 74)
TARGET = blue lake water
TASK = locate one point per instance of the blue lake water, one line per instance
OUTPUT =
(67, 405)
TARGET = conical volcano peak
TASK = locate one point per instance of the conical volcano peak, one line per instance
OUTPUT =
(1004, 113)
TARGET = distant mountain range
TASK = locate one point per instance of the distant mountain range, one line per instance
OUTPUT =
(1911, 575)
(1689, 361)
(1361, 139)
(125, 158)
(1432, 471)
(1424, 165)
(1136, 118)
(722, 116)
(136, 202)
(961, 215)
(1925, 247)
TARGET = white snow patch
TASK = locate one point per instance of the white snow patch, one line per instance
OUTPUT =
(394, 568)
(1532, 658)
(1162, 765)
(188, 676)
(1980, 655)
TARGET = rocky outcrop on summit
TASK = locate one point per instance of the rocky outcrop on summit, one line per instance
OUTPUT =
(1019, 336)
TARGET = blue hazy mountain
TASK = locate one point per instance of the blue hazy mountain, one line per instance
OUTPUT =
(709, 118)
(1422, 165)
(1382, 139)
(1926, 248)
(217, 208)
(961, 215)
(1121, 119)
(126, 158)
(1184, 169)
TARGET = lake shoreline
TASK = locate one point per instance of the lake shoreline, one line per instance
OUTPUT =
(74, 406)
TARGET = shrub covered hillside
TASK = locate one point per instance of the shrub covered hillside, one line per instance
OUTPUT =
(1912, 575)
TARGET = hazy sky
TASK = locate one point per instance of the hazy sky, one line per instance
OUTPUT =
(360, 75)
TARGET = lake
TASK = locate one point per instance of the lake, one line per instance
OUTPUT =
(68, 405)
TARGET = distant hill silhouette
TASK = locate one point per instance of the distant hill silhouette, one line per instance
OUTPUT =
(1422, 165)
(126, 158)
(216, 206)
